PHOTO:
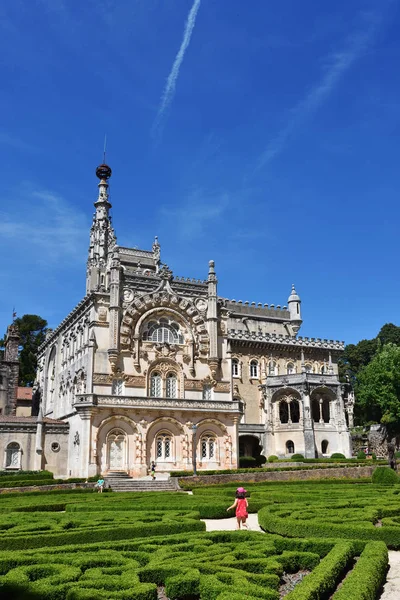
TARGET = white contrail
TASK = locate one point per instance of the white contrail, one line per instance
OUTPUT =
(169, 89)
(340, 62)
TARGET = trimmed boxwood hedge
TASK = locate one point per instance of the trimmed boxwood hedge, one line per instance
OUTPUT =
(385, 475)
(324, 578)
(368, 575)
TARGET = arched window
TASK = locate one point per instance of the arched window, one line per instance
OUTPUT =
(118, 387)
(326, 410)
(207, 392)
(308, 368)
(324, 446)
(272, 368)
(164, 447)
(294, 409)
(289, 447)
(13, 456)
(155, 385)
(283, 412)
(208, 447)
(171, 386)
(315, 410)
(235, 367)
(253, 369)
(290, 369)
(323, 369)
(163, 331)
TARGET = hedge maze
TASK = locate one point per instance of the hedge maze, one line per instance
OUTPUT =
(89, 546)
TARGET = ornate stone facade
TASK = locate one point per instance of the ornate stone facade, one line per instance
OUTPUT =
(150, 366)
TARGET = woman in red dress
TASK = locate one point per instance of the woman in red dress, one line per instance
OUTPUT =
(241, 505)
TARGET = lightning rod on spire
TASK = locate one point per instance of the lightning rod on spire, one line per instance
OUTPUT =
(104, 149)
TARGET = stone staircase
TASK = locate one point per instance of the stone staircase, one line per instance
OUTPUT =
(122, 482)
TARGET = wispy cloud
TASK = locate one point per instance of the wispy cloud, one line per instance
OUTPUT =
(16, 143)
(338, 63)
(169, 90)
(200, 210)
(44, 227)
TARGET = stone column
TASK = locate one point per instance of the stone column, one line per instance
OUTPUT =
(235, 444)
(113, 345)
(212, 319)
(321, 420)
(87, 468)
(309, 441)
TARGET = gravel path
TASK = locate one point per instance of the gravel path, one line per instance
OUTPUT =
(391, 590)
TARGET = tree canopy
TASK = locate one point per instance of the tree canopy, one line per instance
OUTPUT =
(32, 330)
(378, 388)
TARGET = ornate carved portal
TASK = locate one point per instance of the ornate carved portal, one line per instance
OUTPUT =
(116, 450)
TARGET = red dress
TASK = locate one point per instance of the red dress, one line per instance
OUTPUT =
(241, 508)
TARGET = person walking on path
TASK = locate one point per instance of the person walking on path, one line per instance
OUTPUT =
(241, 506)
(100, 484)
(153, 470)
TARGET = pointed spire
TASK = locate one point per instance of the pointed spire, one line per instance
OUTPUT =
(294, 305)
(102, 236)
(294, 297)
(211, 271)
(157, 253)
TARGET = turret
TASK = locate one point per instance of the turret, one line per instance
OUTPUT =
(102, 236)
(212, 319)
(294, 305)
(11, 344)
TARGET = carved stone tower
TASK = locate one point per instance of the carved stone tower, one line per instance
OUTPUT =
(102, 236)
(294, 304)
(12, 343)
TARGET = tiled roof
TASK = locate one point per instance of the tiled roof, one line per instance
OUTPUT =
(14, 419)
(24, 393)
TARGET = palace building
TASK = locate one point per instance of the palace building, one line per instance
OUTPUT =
(151, 366)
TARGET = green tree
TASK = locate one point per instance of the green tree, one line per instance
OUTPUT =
(32, 330)
(378, 389)
(389, 334)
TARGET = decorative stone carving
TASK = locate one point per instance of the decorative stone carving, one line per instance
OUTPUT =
(135, 381)
(193, 384)
(201, 304)
(223, 387)
(165, 350)
(102, 379)
(127, 295)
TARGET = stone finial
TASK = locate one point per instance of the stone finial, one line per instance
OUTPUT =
(294, 297)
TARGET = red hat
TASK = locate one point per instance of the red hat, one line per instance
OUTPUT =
(241, 490)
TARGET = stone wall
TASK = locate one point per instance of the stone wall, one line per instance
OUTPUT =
(47, 488)
(336, 472)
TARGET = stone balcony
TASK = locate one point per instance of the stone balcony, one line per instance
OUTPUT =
(299, 378)
(84, 401)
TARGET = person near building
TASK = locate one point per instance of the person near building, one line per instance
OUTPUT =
(241, 506)
(153, 470)
(100, 485)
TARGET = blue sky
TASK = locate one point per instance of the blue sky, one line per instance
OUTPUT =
(264, 135)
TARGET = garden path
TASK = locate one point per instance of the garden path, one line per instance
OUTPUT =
(230, 524)
(391, 590)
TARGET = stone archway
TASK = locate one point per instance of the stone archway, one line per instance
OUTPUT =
(249, 445)
(117, 450)
(118, 445)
